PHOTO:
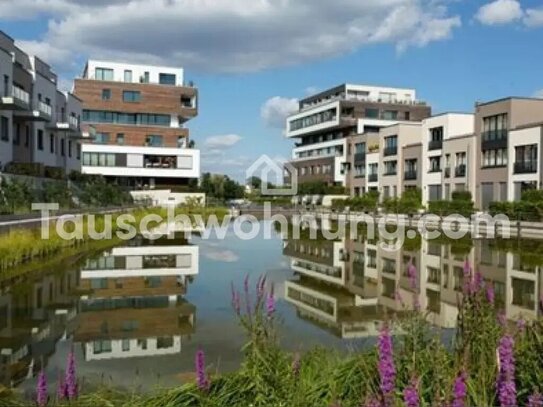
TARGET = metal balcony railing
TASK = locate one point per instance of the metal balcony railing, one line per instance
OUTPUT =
(447, 172)
(410, 175)
(373, 177)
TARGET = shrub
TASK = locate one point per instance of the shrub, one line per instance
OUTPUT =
(28, 169)
(54, 172)
(461, 196)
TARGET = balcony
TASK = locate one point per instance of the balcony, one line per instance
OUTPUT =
(360, 158)
(44, 109)
(434, 170)
(447, 172)
(40, 112)
(390, 151)
(410, 175)
(435, 145)
(15, 99)
(373, 177)
(460, 171)
(525, 167)
(495, 139)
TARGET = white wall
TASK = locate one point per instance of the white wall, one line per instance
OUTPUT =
(376, 92)
(6, 68)
(137, 71)
(454, 124)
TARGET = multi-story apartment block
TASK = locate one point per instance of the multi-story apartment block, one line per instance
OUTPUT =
(394, 167)
(38, 123)
(444, 159)
(326, 121)
(139, 113)
(508, 133)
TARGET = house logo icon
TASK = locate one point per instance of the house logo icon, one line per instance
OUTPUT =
(270, 171)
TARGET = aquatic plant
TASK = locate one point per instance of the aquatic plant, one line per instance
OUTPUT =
(460, 391)
(202, 380)
(411, 394)
(70, 381)
(387, 370)
(506, 387)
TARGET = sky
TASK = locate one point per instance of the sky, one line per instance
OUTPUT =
(253, 59)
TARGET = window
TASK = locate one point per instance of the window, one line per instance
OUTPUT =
(99, 159)
(372, 113)
(101, 138)
(127, 75)
(16, 136)
(70, 148)
(4, 129)
(314, 119)
(27, 136)
(164, 343)
(101, 347)
(51, 143)
(78, 150)
(103, 74)
(434, 192)
(126, 345)
(40, 140)
(153, 140)
(391, 167)
(390, 115)
(435, 164)
(145, 77)
(106, 94)
(99, 283)
(62, 147)
(166, 79)
(120, 139)
(391, 145)
(101, 116)
(495, 158)
(495, 127)
(131, 96)
(526, 159)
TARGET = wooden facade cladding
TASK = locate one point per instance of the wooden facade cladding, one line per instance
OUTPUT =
(154, 98)
(137, 135)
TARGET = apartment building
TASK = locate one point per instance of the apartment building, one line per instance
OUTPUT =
(326, 121)
(39, 124)
(508, 133)
(140, 114)
(134, 304)
(392, 142)
(448, 156)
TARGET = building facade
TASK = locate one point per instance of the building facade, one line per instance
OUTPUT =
(139, 114)
(39, 124)
(326, 121)
(508, 153)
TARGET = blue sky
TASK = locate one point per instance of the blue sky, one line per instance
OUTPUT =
(242, 53)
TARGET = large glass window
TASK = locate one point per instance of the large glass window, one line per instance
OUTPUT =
(99, 159)
(154, 140)
(103, 74)
(101, 138)
(166, 79)
(106, 94)
(131, 96)
(4, 128)
(101, 116)
(127, 75)
(390, 115)
(372, 113)
(314, 119)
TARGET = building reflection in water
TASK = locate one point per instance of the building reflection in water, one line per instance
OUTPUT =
(348, 286)
(133, 300)
(35, 313)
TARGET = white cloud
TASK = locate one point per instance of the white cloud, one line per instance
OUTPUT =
(500, 12)
(534, 17)
(275, 110)
(223, 141)
(233, 35)
(311, 90)
(538, 94)
(224, 256)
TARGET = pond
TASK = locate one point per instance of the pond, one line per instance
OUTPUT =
(136, 314)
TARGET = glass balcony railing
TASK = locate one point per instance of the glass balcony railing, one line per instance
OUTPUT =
(44, 108)
(525, 167)
(460, 170)
(73, 122)
(435, 145)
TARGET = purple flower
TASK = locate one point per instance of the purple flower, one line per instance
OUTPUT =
(247, 295)
(201, 377)
(71, 379)
(387, 370)
(507, 391)
(296, 364)
(478, 282)
(521, 325)
(41, 390)
(535, 400)
(236, 301)
(490, 295)
(61, 388)
(413, 277)
(467, 278)
(502, 319)
(460, 391)
(260, 287)
(270, 304)
(373, 402)
(411, 394)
